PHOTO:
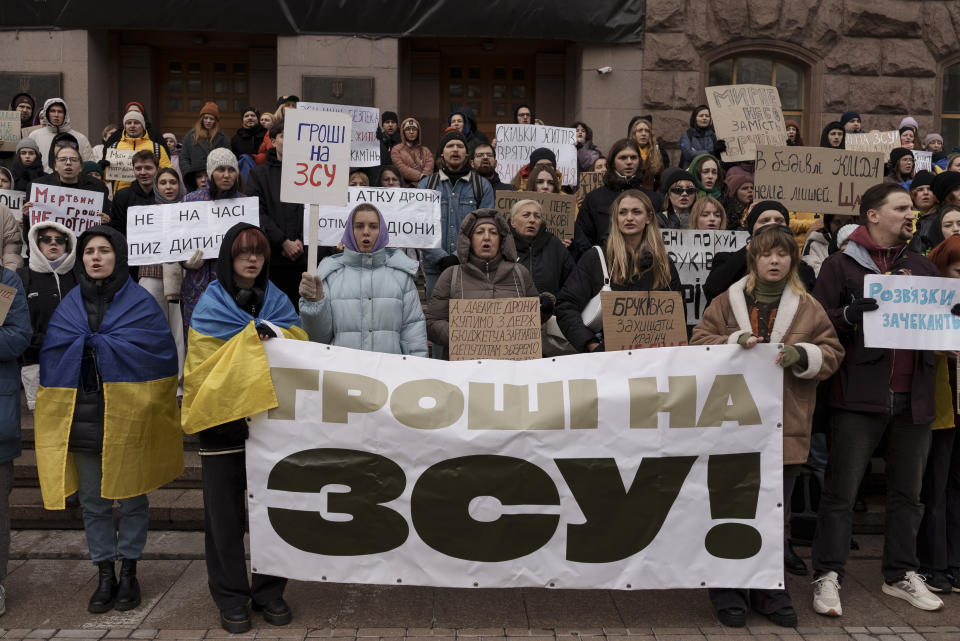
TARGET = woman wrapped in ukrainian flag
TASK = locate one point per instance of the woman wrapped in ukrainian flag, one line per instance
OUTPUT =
(226, 379)
(106, 422)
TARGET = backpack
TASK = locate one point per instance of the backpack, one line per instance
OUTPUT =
(434, 181)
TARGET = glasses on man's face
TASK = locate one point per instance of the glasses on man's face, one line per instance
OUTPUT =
(47, 240)
(68, 160)
(683, 191)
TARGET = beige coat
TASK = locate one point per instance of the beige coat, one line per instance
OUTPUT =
(11, 239)
(800, 322)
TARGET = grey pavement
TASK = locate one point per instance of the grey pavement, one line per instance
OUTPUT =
(50, 580)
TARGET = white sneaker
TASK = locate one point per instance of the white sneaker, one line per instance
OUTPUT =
(913, 589)
(826, 595)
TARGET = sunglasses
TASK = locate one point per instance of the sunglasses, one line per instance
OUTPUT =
(683, 191)
(60, 240)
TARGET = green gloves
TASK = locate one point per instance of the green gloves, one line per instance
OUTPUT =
(790, 356)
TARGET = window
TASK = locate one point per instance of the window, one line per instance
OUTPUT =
(950, 107)
(787, 77)
(492, 91)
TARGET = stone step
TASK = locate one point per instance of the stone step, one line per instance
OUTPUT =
(25, 471)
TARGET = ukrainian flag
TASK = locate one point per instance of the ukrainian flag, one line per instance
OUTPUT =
(137, 361)
(226, 375)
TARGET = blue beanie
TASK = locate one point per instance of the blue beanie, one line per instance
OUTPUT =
(848, 116)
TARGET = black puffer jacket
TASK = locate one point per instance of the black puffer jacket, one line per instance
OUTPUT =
(132, 196)
(547, 260)
(86, 433)
(593, 221)
(248, 141)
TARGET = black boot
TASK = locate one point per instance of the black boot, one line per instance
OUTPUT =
(128, 593)
(106, 593)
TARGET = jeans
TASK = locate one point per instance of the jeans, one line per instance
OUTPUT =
(854, 437)
(431, 271)
(106, 541)
(6, 485)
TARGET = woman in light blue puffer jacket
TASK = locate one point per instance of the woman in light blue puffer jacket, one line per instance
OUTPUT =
(365, 298)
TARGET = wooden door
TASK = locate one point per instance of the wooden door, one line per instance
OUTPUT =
(491, 86)
(189, 78)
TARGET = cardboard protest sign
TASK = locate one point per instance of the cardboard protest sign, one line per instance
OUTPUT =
(882, 141)
(542, 447)
(692, 253)
(516, 142)
(745, 116)
(121, 164)
(174, 232)
(364, 146)
(637, 320)
(922, 160)
(10, 127)
(75, 209)
(496, 328)
(13, 199)
(316, 157)
(7, 294)
(914, 312)
(827, 181)
(559, 210)
(413, 216)
(589, 180)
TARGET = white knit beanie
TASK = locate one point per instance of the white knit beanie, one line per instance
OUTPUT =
(221, 157)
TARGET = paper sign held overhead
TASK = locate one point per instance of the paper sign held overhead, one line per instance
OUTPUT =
(516, 142)
(316, 157)
(745, 116)
(364, 146)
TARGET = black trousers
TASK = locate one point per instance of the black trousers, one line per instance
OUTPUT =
(932, 546)
(224, 520)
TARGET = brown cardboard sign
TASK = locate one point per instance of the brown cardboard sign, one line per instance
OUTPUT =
(495, 328)
(828, 181)
(636, 320)
(7, 294)
(589, 180)
(10, 127)
(745, 116)
(559, 210)
(882, 141)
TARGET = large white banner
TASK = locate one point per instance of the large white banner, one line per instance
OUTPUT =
(75, 209)
(692, 253)
(364, 146)
(914, 312)
(516, 142)
(413, 216)
(174, 232)
(654, 468)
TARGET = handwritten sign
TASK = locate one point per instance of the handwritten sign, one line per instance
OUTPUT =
(413, 216)
(922, 160)
(12, 199)
(121, 164)
(75, 209)
(637, 320)
(589, 180)
(174, 232)
(316, 157)
(914, 312)
(516, 142)
(692, 253)
(364, 146)
(559, 210)
(745, 116)
(827, 181)
(7, 294)
(882, 141)
(10, 126)
(497, 328)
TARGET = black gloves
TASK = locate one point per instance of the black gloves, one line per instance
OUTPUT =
(447, 261)
(955, 310)
(853, 313)
(719, 147)
(546, 305)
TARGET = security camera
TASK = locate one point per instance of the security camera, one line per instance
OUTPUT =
(604, 70)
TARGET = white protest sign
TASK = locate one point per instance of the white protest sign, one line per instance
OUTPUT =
(655, 468)
(13, 199)
(914, 312)
(316, 157)
(922, 160)
(882, 141)
(364, 146)
(746, 116)
(75, 209)
(692, 253)
(174, 232)
(413, 216)
(10, 126)
(121, 164)
(516, 142)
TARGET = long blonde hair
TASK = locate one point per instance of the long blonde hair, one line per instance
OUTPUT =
(624, 265)
(654, 162)
(199, 133)
(697, 210)
(765, 240)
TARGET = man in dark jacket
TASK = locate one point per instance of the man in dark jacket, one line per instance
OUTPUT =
(875, 393)
(140, 191)
(389, 135)
(250, 135)
(281, 222)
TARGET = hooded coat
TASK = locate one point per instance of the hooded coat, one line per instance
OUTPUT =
(11, 242)
(696, 141)
(499, 277)
(413, 160)
(44, 135)
(593, 221)
(587, 152)
(473, 135)
(825, 139)
(23, 175)
(45, 285)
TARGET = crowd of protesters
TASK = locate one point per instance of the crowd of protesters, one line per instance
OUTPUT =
(84, 326)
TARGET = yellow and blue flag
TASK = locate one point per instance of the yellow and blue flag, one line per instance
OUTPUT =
(226, 375)
(137, 361)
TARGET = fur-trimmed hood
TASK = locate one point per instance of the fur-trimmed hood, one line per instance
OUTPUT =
(38, 262)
